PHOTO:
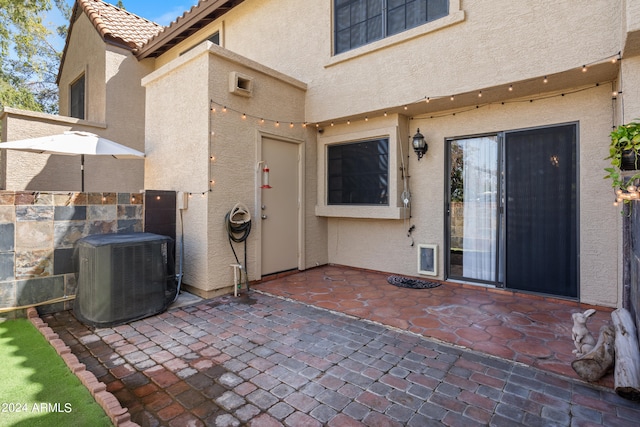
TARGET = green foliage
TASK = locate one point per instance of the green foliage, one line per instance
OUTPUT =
(36, 387)
(28, 62)
(625, 138)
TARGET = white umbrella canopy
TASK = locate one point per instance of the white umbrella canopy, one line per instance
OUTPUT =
(74, 143)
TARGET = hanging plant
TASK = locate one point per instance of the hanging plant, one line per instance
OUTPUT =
(624, 155)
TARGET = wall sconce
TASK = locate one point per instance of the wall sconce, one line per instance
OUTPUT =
(419, 144)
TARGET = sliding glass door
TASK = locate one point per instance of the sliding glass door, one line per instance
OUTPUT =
(512, 210)
(473, 208)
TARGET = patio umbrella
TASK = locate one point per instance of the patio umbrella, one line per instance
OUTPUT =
(74, 143)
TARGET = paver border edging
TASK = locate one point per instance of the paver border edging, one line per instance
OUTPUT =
(118, 415)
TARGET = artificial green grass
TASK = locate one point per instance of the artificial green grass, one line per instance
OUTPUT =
(36, 386)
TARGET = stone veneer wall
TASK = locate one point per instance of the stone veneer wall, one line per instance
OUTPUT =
(37, 235)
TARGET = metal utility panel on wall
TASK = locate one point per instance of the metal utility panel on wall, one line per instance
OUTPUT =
(160, 212)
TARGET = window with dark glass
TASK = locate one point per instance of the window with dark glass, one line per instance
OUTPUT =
(215, 38)
(358, 173)
(358, 22)
(77, 99)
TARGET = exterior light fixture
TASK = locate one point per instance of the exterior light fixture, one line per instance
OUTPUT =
(419, 144)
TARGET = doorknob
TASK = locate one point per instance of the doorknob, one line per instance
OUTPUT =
(264, 216)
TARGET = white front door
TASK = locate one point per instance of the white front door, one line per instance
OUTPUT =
(280, 207)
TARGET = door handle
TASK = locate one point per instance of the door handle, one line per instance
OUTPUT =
(264, 216)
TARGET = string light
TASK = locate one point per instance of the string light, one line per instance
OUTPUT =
(427, 99)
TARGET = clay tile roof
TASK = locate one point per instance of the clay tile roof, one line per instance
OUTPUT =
(118, 25)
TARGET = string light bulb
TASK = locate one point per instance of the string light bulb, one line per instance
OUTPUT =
(224, 109)
(480, 94)
(545, 80)
(510, 88)
(584, 68)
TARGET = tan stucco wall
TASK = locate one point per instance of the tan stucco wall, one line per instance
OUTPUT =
(41, 172)
(181, 135)
(484, 46)
(114, 100)
(86, 54)
(496, 42)
(351, 241)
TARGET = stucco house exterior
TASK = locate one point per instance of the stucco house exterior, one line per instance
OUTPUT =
(514, 99)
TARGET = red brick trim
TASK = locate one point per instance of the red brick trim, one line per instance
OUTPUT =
(119, 416)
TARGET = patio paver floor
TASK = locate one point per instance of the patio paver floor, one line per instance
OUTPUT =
(259, 360)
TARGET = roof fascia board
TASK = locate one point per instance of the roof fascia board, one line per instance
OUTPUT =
(181, 24)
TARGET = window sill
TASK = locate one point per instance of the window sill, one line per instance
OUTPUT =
(451, 19)
(371, 212)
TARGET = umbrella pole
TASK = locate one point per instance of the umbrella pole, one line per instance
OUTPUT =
(82, 171)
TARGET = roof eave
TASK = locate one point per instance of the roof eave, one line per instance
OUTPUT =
(185, 24)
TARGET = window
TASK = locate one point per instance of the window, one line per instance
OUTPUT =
(77, 99)
(358, 173)
(358, 22)
(215, 38)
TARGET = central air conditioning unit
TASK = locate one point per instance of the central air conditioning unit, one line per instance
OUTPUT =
(123, 277)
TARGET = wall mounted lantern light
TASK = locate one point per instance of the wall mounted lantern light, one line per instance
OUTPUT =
(419, 144)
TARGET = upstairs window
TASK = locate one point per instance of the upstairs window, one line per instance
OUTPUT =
(359, 22)
(76, 109)
(215, 38)
(358, 173)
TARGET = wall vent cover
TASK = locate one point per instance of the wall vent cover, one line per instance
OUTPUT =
(240, 84)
